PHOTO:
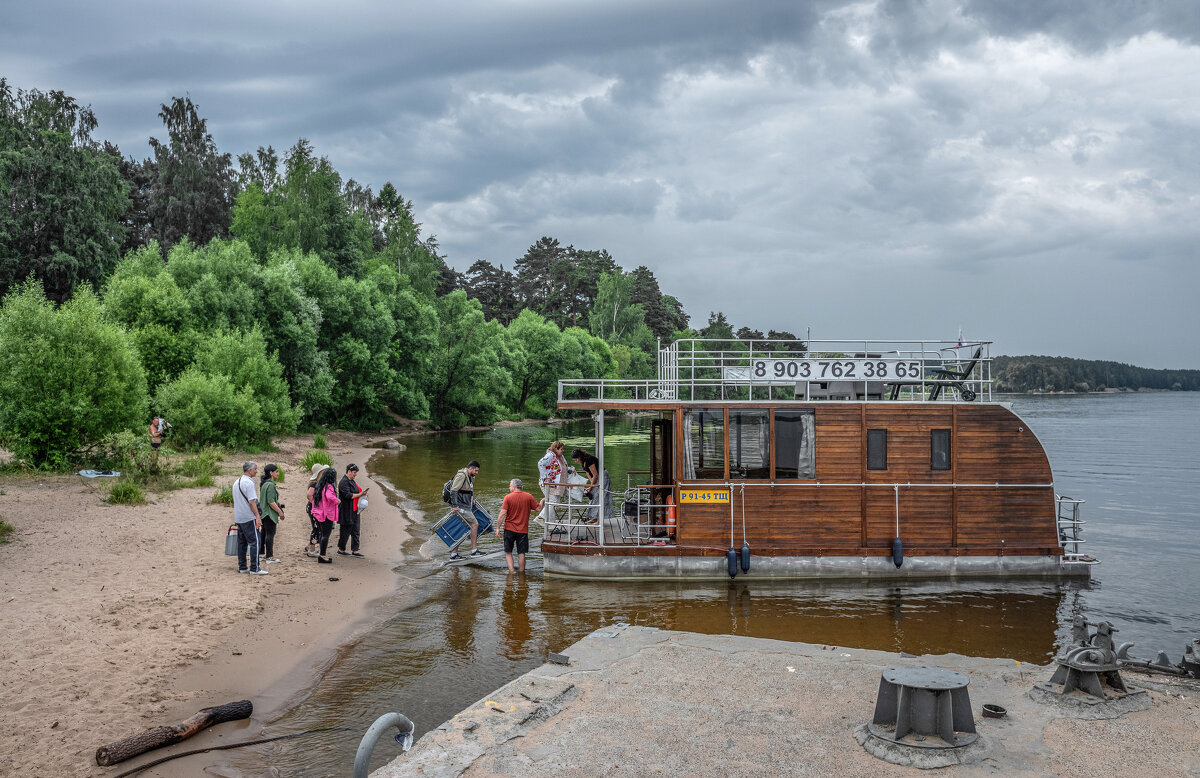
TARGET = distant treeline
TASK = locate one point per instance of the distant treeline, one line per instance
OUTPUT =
(1063, 374)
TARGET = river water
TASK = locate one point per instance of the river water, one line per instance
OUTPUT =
(458, 633)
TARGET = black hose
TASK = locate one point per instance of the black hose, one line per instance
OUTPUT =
(148, 765)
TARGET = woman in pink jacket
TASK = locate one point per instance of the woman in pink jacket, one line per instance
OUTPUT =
(325, 509)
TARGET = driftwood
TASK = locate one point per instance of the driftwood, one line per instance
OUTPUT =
(164, 736)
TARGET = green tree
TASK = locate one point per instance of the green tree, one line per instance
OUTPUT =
(192, 188)
(67, 377)
(615, 317)
(542, 356)
(494, 288)
(471, 368)
(62, 197)
(242, 357)
(664, 314)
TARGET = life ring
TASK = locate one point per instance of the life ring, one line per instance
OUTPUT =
(670, 515)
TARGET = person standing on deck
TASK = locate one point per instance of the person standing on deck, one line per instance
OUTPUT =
(462, 501)
(552, 478)
(598, 488)
(249, 523)
(348, 516)
(514, 522)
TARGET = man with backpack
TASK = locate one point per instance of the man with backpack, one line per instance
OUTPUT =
(459, 492)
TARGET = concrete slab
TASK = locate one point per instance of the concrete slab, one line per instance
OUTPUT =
(636, 701)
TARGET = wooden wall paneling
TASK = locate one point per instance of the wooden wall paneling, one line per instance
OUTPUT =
(954, 477)
(864, 534)
(839, 443)
(1018, 516)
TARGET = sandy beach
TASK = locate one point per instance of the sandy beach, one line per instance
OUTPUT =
(119, 618)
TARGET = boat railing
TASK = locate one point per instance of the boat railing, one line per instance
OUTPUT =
(1070, 526)
(697, 370)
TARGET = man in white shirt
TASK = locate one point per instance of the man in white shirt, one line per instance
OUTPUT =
(249, 523)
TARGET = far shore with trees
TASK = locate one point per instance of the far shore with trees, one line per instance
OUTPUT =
(245, 300)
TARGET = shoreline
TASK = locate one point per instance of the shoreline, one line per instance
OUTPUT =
(123, 618)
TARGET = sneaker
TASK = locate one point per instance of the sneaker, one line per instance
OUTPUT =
(358, 554)
(243, 570)
(272, 560)
(476, 552)
(455, 555)
(259, 572)
(343, 553)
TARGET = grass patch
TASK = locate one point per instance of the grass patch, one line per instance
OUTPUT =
(207, 463)
(313, 457)
(6, 530)
(126, 492)
(223, 496)
(200, 480)
(319, 441)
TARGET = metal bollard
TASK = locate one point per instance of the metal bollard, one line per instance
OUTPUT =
(404, 736)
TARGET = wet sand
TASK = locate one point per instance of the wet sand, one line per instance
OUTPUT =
(120, 618)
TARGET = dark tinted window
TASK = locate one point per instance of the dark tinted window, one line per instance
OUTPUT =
(704, 444)
(939, 449)
(877, 449)
(794, 450)
(749, 444)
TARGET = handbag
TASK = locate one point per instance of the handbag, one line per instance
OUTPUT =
(231, 540)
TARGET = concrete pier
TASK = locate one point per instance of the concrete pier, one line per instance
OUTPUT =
(635, 701)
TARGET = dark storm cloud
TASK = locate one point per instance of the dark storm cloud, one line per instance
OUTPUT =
(1087, 25)
(925, 164)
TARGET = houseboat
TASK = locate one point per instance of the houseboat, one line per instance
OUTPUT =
(818, 459)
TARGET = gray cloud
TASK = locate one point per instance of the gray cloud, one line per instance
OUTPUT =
(878, 169)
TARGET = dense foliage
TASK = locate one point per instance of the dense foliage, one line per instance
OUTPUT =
(254, 299)
(67, 378)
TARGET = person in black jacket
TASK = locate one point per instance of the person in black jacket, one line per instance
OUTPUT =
(348, 518)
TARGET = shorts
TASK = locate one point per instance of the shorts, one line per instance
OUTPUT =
(468, 515)
(155, 446)
(517, 540)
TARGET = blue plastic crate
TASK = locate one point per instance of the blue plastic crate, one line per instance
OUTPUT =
(453, 530)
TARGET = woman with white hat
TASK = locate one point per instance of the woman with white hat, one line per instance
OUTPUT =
(314, 536)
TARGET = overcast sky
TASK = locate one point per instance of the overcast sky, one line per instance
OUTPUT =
(1027, 170)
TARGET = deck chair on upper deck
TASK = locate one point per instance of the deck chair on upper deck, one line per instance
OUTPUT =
(945, 376)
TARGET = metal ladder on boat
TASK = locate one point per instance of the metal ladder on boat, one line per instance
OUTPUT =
(1070, 526)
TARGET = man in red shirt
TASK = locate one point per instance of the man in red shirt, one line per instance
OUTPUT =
(514, 522)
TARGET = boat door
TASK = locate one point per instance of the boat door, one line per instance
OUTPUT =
(662, 472)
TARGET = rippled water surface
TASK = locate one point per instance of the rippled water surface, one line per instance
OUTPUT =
(458, 633)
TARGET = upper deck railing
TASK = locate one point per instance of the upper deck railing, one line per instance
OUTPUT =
(698, 370)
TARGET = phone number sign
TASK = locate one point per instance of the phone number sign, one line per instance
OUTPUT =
(835, 369)
(700, 496)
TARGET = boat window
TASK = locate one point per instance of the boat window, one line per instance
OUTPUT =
(795, 454)
(939, 449)
(749, 444)
(704, 444)
(877, 449)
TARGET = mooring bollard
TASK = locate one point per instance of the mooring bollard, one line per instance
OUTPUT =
(924, 707)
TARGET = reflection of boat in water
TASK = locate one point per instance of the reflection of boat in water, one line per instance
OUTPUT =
(1026, 620)
(834, 459)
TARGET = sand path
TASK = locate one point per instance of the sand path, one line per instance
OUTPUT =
(118, 619)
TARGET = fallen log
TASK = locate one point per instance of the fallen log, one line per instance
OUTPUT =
(158, 737)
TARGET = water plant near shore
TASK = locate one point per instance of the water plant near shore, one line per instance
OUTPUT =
(312, 457)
